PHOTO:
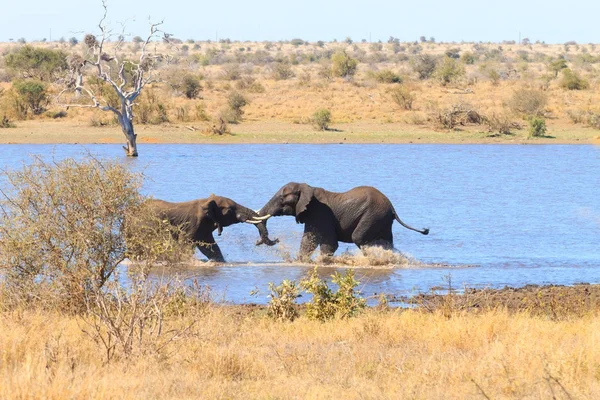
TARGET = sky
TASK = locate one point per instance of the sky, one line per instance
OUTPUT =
(552, 21)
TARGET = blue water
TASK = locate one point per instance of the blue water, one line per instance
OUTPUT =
(516, 214)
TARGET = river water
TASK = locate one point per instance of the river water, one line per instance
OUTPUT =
(498, 214)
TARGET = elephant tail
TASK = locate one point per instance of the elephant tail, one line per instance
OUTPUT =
(422, 231)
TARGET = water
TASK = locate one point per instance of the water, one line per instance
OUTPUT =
(514, 214)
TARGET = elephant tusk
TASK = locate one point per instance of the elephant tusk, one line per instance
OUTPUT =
(253, 222)
(263, 218)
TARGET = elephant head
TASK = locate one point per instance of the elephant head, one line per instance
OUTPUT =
(291, 199)
(225, 212)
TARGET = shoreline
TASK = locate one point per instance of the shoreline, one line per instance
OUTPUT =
(277, 132)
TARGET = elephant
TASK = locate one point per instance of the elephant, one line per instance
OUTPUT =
(363, 216)
(199, 218)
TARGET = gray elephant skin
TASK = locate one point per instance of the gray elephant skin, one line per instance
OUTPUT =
(363, 216)
(201, 217)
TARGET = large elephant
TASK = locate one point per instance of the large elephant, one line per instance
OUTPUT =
(199, 218)
(363, 216)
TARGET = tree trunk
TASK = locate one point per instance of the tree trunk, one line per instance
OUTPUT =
(130, 136)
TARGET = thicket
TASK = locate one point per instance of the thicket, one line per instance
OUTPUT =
(343, 65)
(321, 119)
(36, 63)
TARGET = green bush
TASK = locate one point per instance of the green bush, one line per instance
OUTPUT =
(557, 65)
(33, 95)
(529, 102)
(449, 70)
(36, 63)
(321, 119)
(537, 127)
(387, 76)
(572, 81)
(343, 65)
(327, 304)
(282, 301)
(191, 86)
(234, 111)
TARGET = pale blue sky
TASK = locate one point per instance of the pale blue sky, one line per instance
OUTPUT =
(552, 21)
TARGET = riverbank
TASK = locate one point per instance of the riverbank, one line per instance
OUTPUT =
(238, 352)
(70, 131)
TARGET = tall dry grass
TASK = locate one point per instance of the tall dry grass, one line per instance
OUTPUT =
(235, 352)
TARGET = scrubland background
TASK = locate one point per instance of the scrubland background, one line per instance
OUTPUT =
(422, 90)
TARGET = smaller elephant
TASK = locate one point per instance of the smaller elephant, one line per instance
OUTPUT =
(363, 216)
(199, 218)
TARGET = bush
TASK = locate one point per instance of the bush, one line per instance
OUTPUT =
(234, 111)
(282, 71)
(36, 63)
(33, 95)
(321, 119)
(501, 123)
(343, 65)
(557, 65)
(191, 86)
(326, 304)
(537, 127)
(402, 96)
(449, 71)
(423, 65)
(529, 102)
(6, 123)
(387, 76)
(60, 229)
(150, 109)
(282, 304)
(232, 72)
(468, 58)
(572, 81)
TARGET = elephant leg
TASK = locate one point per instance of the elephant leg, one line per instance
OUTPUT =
(328, 247)
(373, 233)
(308, 245)
(211, 250)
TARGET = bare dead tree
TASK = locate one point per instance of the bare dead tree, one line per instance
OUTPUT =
(126, 77)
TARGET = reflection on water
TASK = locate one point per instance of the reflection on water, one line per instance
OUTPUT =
(519, 214)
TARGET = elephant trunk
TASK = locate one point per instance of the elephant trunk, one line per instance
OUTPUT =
(252, 217)
(270, 208)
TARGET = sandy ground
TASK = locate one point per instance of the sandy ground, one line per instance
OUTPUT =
(50, 132)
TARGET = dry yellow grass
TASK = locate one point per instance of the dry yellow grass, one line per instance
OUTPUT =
(234, 353)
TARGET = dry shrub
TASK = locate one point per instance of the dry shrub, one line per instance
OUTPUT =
(529, 102)
(282, 301)
(587, 117)
(151, 109)
(402, 96)
(501, 123)
(130, 321)
(62, 229)
(458, 114)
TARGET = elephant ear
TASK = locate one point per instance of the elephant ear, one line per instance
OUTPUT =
(213, 211)
(306, 196)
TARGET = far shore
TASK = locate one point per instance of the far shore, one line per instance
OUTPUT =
(279, 132)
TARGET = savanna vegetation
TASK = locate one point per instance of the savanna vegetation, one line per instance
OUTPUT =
(290, 90)
(75, 323)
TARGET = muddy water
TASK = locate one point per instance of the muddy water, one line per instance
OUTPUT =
(498, 214)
